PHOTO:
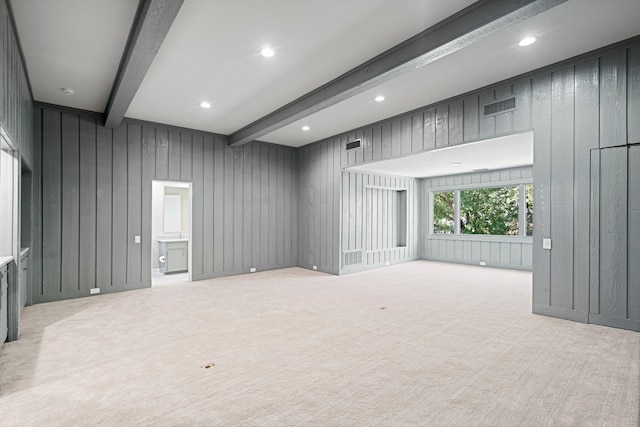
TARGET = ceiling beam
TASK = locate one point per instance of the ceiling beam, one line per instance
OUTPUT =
(150, 26)
(446, 37)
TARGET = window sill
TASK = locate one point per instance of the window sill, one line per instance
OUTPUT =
(481, 238)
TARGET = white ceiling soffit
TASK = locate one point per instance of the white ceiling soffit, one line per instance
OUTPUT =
(496, 153)
(74, 44)
(567, 30)
(212, 53)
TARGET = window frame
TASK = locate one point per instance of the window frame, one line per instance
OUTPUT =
(522, 226)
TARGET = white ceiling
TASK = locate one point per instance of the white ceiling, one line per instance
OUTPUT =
(73, 44)
(212, 53)
(496, 153)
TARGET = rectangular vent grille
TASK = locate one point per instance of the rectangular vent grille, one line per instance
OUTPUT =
(354, 144)
(352, 257)
(500, 106)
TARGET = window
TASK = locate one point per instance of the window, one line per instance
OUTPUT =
(489, 211)
(529, 209)
(443, 212)
(494, 211)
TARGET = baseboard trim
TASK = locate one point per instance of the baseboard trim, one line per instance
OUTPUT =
(238, 272)
(477, 264)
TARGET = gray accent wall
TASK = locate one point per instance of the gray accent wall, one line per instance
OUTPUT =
(587, 103)
(496, 251)
(95, 185)
(379, 221)
(16, 104)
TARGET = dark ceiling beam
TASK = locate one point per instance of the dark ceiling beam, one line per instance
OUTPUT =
(454, 33)
(150, 26)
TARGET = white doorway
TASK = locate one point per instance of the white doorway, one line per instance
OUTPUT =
(170, 232)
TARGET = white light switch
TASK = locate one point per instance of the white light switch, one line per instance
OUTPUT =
(546, 243)
(136, 239)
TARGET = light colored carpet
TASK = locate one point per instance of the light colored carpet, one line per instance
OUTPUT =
(454, 346)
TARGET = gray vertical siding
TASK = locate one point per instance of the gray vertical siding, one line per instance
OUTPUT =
(319, 204)
(495, 251)
(16, 104)
(96, 196)
(373, 218)
(583, 104)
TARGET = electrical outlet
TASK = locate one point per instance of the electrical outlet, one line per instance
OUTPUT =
(315, 267)
(252, 270)
(546, 243)
(482, 263)
(94, 291)
(387, 263)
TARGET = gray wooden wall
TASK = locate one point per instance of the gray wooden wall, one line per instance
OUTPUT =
(496, 251)
(583, 104)
(95, 185)
(16, 104)
(319, 206)
(372, 218)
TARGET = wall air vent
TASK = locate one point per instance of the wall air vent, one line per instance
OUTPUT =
(354, 144)
(500, 107)
(352, 257)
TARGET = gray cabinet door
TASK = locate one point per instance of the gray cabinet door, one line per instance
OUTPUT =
(176, 258)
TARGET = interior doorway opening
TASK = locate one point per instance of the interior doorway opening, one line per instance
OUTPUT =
(171, 232)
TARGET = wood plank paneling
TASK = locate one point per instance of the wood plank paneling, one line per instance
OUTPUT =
(237, 205)
(16, 105)
(218, 213)
(70, 202)
(247, 208)
(633, 232)
(134, 203)
(175, 150)
(119, 208)
(186, 160)
(87, 237)
(562, 137)
(613, 99)
(211, 245)
(471, 117)
(51, 206)
(633, 95)
(104, 203)
(594, 234)
(148, 170)
(541, 123)
(613, 233)
(456, 123)
(442, 126)
(97, 184)
(586, 139)
(162, 154)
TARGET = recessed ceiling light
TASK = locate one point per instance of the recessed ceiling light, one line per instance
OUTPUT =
(527, 41)
(267, 52)
(306, 128)
(67, 90)
(379, 98)
(205, 104)
(456, 164)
